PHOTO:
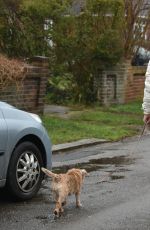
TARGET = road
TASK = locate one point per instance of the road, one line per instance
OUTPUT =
(120, 202)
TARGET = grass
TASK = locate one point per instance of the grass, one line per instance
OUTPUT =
(112, 123)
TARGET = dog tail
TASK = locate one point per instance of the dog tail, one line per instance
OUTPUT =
(48, 173)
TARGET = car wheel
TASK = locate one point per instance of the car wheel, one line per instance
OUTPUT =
(24, 173)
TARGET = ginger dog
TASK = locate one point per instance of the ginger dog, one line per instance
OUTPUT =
(64, 185)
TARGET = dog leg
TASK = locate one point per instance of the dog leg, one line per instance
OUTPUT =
(78, 203)
(61, 210)
(58, 208)
(64, 203)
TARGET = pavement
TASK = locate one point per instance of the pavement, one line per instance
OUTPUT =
(61, 111)
(77, 144)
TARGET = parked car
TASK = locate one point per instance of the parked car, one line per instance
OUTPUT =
(141, 58)
(24, 148)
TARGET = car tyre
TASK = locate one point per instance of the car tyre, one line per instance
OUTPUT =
(24, 175)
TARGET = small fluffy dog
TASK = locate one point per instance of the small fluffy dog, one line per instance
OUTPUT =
(64, 185)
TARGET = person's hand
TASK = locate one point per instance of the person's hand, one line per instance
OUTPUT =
(146, 118)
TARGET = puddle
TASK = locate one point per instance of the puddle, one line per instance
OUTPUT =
(42, 217)
(120, 169)
(117, 160)
(102, 163)
(49, 218)
(116, 177)
(88, 166)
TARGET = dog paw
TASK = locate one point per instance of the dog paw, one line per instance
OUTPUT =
(56, 213)
(79, 205)
(61, 210)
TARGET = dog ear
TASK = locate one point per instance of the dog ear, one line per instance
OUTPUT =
(84, 172)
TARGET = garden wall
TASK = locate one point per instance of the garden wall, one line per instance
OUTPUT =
(29, 93)
(134, 85)
(121, 84)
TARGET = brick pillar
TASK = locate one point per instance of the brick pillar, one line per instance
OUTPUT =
(37, 74)
(111, 84)
(29, 93)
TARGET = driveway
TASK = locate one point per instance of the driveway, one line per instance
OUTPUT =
(115, 195)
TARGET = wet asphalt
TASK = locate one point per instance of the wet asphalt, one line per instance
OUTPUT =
(115, 195)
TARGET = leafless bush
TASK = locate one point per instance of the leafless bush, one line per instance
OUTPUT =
(12, 71)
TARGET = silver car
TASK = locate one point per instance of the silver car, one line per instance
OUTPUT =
(24, 148)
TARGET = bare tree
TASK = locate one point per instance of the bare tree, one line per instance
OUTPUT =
(137, 26)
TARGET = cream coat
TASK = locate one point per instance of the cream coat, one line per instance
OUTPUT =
(146, 98)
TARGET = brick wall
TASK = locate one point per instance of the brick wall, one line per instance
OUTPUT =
(30, 92)
(134, 87)
(120, 84)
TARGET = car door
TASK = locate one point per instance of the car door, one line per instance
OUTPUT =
(3, 143)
